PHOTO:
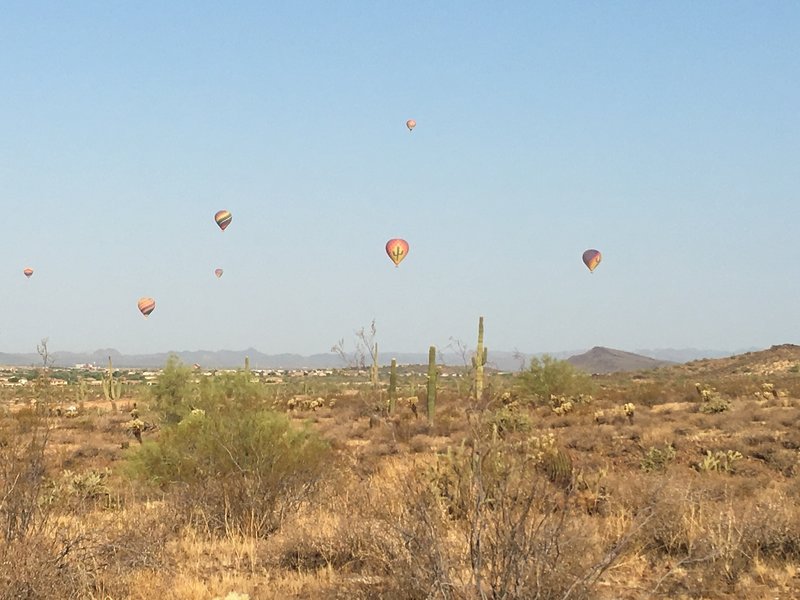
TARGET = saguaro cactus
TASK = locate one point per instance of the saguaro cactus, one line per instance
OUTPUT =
(81, 392)
(479, 360)
(393, 386)
(112, 389)
(431, 383)
(373, 372)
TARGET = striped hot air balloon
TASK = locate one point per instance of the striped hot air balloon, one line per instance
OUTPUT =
(146, 305)
(223, 219)
(27, 271)
(397, 250)
(218, 273)
(592, 258)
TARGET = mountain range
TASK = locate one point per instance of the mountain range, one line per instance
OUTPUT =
(504, 361)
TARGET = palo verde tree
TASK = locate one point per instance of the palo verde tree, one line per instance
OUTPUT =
(236, 465)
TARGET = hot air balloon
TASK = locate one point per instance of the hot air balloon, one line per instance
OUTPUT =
(218, 273)
(146, 305)
(592, 258)
(411, 123)
(28, 272)
(223, 219)
(397, 250)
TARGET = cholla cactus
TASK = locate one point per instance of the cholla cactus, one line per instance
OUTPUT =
(564, 408)
(136, 426)
(561, 405)
(720, 461)
(412, 404)
(537, 447)
(713, 402)
(767, 392)
(629, 409)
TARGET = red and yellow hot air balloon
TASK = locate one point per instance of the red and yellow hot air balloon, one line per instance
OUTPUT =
(27, 271)
(218, 273)
(411, 123)
(592, 258)
(146, 305)
(397, 250)
(223, 219)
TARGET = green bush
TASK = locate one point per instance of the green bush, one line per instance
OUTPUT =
(548, 376)
(235, 464)
(174, 391)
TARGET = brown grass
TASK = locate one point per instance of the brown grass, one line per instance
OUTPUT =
(398, 514)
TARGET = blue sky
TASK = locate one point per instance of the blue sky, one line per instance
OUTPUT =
(666, 135)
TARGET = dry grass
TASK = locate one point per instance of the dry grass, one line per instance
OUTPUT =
(395, 519)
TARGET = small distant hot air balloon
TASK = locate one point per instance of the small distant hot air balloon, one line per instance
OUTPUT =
(218, 273)
(411, 123)
(146, 305)
(592, 258)
(223, 219)
(397, 250)
(28, 272)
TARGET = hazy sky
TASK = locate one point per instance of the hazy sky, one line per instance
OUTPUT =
(666, 135)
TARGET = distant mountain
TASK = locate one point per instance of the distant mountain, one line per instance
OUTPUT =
(608, 360)
(228, 359)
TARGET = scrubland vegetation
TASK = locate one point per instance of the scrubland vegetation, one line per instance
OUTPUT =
(675, 483)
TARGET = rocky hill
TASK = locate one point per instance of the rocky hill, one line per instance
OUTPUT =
(608, 360)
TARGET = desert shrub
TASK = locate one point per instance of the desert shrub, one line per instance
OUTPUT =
(498, 511)
(548, 377)
(510, 419)
(240, 469)
(173, 391)
(35, 550)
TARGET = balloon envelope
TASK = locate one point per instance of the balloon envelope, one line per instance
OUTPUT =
(146, 305)
(28, 272)
(218, 273)
(223, 219)
(411, 123)
(592, 258)
(397, 250)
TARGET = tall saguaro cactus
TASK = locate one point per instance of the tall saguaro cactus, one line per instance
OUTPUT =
(112, 389)
(431, 383)
(479, 361)
(393, 386)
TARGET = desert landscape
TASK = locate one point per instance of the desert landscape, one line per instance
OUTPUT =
(407, 482)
